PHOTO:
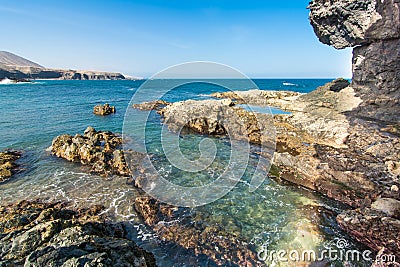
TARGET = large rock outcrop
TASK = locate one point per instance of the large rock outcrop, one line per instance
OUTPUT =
(219, 117)
(102, 151)
(321, 145)
(373, 144)
(347, 23)
(374, 27)
(34, 233)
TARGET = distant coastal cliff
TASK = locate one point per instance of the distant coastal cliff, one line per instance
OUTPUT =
(16, 67)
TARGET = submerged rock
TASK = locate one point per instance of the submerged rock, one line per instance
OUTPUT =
(104, 110)
(102, 151)
(50, 234)
(221, 247)
(7, 164)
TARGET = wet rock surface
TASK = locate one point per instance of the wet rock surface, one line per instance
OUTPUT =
(221, 247)
(7, 164)
(101, 151)
(34, 233)
(104, 110)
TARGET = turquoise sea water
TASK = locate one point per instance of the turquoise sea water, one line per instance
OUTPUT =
(281, 216)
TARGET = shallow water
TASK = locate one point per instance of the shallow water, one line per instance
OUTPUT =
(280, 216)
(264, 109)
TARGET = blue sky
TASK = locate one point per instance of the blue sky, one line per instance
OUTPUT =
(260, 38)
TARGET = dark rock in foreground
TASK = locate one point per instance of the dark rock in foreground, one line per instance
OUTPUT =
(7, 164)
(103, 110)
(222, 247)
(102, 151)
(42, 234)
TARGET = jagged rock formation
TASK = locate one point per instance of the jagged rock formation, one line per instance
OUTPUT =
(18, 68)
(102, 151)
(50, 234)
(374, 27)
(103, 110)
(7, 164)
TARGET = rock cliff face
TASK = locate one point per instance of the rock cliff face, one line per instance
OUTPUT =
(29, 72)
(17, 68)
(374, 27)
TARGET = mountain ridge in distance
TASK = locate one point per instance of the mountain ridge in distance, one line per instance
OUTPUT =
(18, 68)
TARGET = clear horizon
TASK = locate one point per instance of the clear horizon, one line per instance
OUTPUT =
(263, 39)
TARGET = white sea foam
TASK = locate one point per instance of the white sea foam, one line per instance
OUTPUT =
(289, 84)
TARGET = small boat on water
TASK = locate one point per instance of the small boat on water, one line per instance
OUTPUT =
(7, 81)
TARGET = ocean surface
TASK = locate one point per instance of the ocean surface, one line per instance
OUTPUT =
(275, 215)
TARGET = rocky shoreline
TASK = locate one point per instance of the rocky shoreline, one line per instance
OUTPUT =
(341, 140)
(8, 164)
(351, 160)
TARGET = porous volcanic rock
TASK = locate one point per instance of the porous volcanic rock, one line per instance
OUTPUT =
(375, 229)
(100, 150)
